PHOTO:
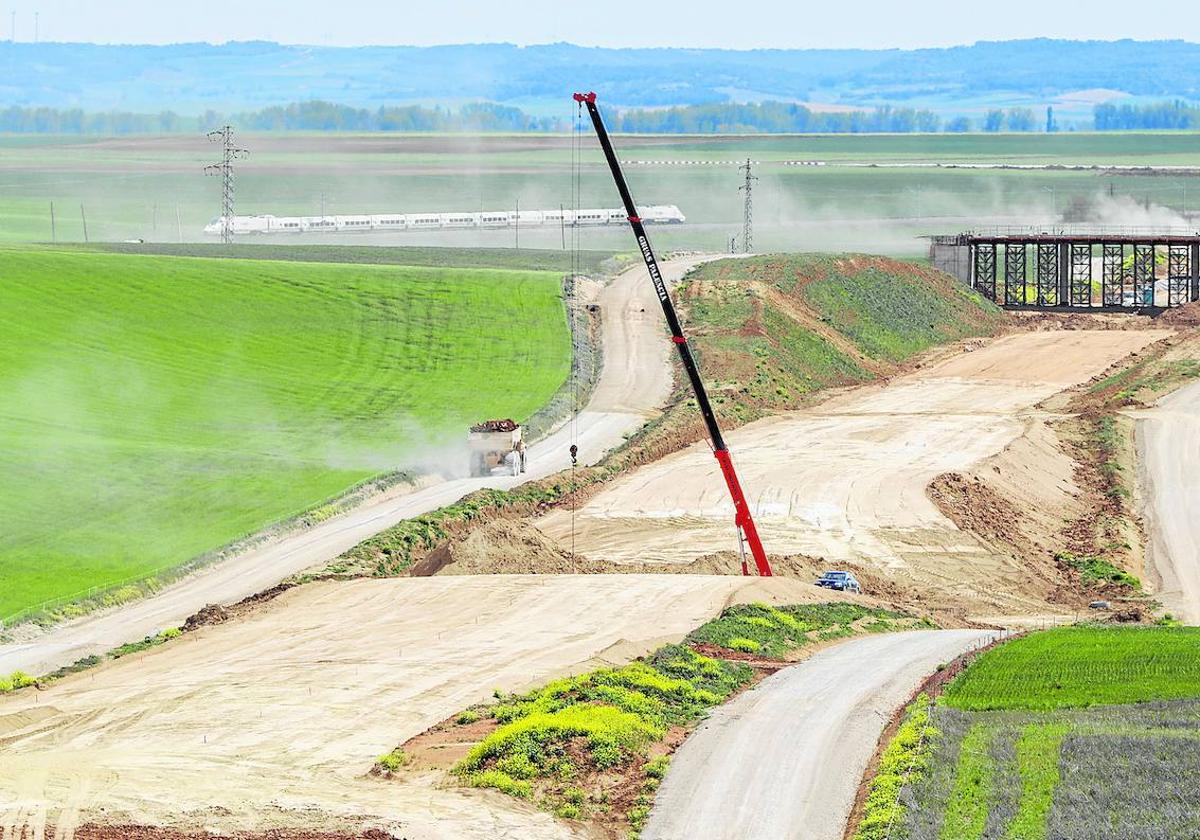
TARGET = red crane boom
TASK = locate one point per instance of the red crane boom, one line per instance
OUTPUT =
(742, 517)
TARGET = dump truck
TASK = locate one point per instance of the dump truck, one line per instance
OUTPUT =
(496, 443)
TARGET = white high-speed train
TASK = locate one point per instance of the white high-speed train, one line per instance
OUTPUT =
(257, 225)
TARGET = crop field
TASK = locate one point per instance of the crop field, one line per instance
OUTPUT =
(156, 408)
(1072, 733)
(876, 193)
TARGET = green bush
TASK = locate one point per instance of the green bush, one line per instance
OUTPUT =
(656, 768)
(567, 811)
(393, 761)
(14, 681)
(744, 645)
(502, 782)
(610, 734)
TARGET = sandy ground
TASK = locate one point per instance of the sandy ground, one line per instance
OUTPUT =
(274, 720)
(1169, 447)
(791, 752)
(636, 380)
(846, 480)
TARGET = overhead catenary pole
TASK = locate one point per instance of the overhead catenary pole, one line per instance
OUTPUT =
(517, 226)
(83, 215)
(229, 153)
(743, 519)
(747, 209)
(178, 225)
(53, 226)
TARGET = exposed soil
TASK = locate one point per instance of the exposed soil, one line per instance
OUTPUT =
(1184, 316)
(974, 506)
(141, 832)
(846, 481)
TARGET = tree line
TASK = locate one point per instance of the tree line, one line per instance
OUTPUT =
(1155, 115)
(752, 118)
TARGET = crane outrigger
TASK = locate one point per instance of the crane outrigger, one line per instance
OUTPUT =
(743, 520)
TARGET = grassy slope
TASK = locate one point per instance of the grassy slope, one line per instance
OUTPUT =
(1029, 749)
(779, 326)
(155, 408)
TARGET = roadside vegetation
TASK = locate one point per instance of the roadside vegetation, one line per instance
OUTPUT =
(596, 746)
(158, 408)
(1080, 732)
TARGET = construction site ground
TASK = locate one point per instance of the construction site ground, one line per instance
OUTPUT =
(273, 720)
(847, 480)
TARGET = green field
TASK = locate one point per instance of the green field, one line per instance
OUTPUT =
(155, 408)
(1083, 666)
(1086, 733)
(867, 198)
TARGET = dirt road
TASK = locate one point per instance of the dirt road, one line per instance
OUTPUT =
(274, 719)
(635, 381)
(791, 752)
(846, 481)
(1169, 463)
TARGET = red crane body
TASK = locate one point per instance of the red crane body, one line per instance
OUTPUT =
(742, 517)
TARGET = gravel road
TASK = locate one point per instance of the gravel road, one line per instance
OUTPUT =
(635, 381)
(1169, 446)
(784, 760)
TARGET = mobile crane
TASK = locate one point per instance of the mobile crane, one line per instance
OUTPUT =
(743, 520)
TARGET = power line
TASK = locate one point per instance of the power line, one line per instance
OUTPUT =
(748, 208)
(229, 153)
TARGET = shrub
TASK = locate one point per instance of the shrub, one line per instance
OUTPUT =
(567, 811)
(501, 782)
(14, 681)
(609, 732)
(466, 717)
(656, 768)
(744, 645)
(393, 761)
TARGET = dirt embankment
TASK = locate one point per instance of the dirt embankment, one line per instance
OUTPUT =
(1062, 497)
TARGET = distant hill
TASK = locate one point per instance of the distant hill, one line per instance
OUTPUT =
(1073, 76)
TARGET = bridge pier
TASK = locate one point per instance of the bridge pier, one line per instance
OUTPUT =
(1196, 271)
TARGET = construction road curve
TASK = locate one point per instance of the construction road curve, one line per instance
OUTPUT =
(783, 761)
(635, 381)
(1169, 462)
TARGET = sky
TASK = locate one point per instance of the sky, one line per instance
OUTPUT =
(746, 24)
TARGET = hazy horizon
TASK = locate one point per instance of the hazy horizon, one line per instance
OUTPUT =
(702, 24)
